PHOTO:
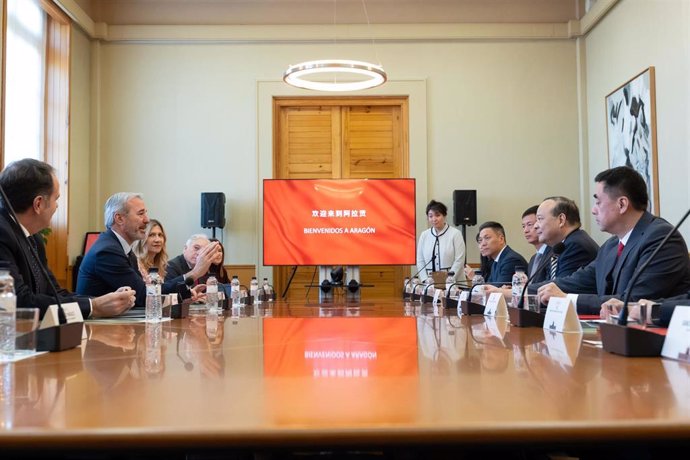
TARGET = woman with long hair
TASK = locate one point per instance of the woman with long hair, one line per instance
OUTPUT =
(218, 270)
(151, 251)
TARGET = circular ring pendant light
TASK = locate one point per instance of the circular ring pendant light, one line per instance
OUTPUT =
(300, 75)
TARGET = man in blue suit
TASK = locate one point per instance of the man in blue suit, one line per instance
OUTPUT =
(110, 262)
(492, 244)
(620, 208)
(558, 221)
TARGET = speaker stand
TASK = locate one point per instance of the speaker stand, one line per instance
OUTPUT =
(463, 229)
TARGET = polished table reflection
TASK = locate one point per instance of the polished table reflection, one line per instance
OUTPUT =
(285, 375)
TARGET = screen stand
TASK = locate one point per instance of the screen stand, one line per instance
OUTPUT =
(352, 289)
(349, 283)
(325, 285)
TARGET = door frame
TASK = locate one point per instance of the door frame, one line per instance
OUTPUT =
(414, 89)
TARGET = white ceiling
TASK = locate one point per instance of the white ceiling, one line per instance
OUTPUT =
(262, 12)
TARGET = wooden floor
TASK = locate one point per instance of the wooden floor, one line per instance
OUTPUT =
(376, 380)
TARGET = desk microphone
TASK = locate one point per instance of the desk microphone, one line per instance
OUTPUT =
(557, 249)
(184, 289)
(623, 316)
(457, 283)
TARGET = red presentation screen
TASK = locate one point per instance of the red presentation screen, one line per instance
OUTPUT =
(339, 222)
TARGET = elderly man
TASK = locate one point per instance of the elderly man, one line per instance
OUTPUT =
(620, 208)
(558, 221)
(110, 261)
(33, 190)
(197, 257)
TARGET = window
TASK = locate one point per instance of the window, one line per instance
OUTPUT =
(35, 109)
(24, 80)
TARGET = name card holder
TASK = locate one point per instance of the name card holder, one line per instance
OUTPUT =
(632, 340)
(561, 316)
(53, 336)
(522, 317)
(177, 310)
(467, 307)
(496, 306)
(677, 343)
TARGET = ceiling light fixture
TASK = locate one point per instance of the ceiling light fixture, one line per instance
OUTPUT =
(296, 75)
(324, 74)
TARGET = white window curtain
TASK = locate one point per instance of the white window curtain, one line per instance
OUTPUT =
(25, 80)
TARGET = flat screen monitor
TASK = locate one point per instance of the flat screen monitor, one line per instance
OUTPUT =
(339, 222)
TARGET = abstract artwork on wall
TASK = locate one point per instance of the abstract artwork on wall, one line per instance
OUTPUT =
(631, 130)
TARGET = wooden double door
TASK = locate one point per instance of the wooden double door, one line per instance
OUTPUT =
(340, 138)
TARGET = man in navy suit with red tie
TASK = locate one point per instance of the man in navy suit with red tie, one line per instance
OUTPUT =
(33, 190)
(620, 208)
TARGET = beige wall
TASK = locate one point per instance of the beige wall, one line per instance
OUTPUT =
(176, 119)
(634, 35)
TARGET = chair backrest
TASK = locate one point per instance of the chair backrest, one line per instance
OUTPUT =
(89, 239)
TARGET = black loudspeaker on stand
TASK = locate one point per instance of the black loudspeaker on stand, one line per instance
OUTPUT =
(464, 207)
(213, 210)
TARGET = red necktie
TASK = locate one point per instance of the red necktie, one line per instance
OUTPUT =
(620, 249)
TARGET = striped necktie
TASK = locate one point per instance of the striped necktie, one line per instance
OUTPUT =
(554, 267)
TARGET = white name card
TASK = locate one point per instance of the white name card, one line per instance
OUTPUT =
(677, 342)
(437, 296)
(72, 314)
(496, 305)
(561, 316)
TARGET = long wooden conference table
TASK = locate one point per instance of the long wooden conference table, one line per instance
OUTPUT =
(379, 377)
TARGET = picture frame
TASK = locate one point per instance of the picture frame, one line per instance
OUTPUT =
(631, 130)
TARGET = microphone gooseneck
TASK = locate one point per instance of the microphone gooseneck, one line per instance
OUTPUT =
(557, 249)
(457, 283)
(413, 276)
(623, 316)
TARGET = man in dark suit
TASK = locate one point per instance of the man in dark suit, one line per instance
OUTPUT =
(492, 244)
(198, 254)
(32, 189)
(558, 221)
(110, 261)
(620, 208)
